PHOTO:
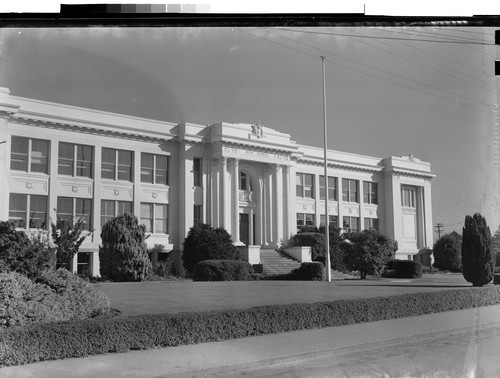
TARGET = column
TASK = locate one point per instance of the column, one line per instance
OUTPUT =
(287, 213)
(268, 206)
(223, 194)
(361, 214)
(340, 203)
(427, 215)
(278, 200)
(235, 175)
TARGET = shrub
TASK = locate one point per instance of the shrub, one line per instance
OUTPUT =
(23, 345)
(222, 270)
(19, 254)
(67, 238)
(56, 296)
(315, 240)
(477, 257)
(206, 243)
(123, 255)
(403, 269)
(367, 251)
(311, 271)
(447, 253)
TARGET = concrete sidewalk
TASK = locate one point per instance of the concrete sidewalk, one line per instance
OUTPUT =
(236, 355)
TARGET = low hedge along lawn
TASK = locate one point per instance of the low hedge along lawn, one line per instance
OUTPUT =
(49, 341)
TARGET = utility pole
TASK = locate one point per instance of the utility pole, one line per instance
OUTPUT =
(327, 219)
(439, 226)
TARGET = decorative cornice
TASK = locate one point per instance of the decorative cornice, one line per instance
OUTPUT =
(421, 175)
(96, 127)
(341, 165)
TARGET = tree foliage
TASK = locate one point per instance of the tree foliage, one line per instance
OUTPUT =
(204, 242)
(367, 251)
(478, 262)
(67, 238)
(123, 255)
(495, 240)
(19, 253)
(447, 252)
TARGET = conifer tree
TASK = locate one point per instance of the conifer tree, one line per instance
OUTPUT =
(477, 254)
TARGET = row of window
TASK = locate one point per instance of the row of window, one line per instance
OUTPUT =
(30, 211)
(32, 155)
(350, 189)
(348, 223)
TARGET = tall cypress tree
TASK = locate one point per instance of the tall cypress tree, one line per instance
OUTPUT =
(477, 253)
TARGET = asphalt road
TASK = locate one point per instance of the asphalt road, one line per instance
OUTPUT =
(468, 353)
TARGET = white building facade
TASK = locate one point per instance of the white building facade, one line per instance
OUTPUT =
(257, 183)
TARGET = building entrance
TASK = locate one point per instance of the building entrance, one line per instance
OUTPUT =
(245, 228)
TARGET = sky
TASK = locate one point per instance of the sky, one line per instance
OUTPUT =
(391, 91)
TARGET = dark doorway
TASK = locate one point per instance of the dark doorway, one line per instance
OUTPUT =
(244, 229)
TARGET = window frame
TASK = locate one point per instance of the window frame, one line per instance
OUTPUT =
(373, 224)
(302, 187)
(28, 160)
(30, 201)
(117, 166)
(154, 170)
(77, 168)
(74, 216)
(332, 189)
(116, 209)
(370, 192)
(349, 223)
(350, 194)
(154, 218)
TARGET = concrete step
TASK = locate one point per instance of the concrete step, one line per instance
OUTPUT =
(275, 262)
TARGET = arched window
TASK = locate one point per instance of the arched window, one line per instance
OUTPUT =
(245, 182)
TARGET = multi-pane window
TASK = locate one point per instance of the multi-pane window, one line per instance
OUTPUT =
(154, 169)
(197, 214)
(371, 224)
(75, 160)
(244, 181)
(305, 220)
(334, 221)
(154, 217)
(332, 188)
(111, 209)
(350, 190)
(197, 172)
(75, 209)
(408, 196)
(28, 210)
(350, 223)
(116, 164)
(305, 185)
(370, 192)
(29, 155)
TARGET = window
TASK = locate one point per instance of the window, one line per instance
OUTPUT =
(74, 209)
(83, 263)
(332, 188)
(154, 217)
(408, 197)
(305, 185)
(154, 169)
(350, 223)
(29, 155)
(305, 220)
(111, 209)
(197, 214)
(75, 160)
(116, 164)
(350, 190)
(371, 224)
(334, 221)
(245, 183)
(197, 174)
(28, 209)
(370, 192)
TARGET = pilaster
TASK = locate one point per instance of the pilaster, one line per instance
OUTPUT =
(236, 203)
(278, 214)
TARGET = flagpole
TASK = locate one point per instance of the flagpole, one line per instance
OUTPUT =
(327, 220)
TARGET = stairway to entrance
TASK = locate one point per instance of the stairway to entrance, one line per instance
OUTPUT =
(274, 262)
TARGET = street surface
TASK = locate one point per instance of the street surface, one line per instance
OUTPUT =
(466, 353)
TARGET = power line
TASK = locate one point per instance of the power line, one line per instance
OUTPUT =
(439, 226)
(382, 70)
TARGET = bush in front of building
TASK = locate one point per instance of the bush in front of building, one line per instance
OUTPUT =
(55, 296)
(123, 255)
(30, 344)
(67, 239)
(204, 242)
(403, 269)
(478, 260)
(308, 271)
(315, 240)
(447, 253)
(222, 270)
(20, 254)
(367, 251)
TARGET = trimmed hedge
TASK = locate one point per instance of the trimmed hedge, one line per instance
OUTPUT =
(55, 296)
(308, 271)
(23, 345)
(222, 270)
(403, 269)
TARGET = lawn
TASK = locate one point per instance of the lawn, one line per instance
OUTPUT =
(187, 296)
